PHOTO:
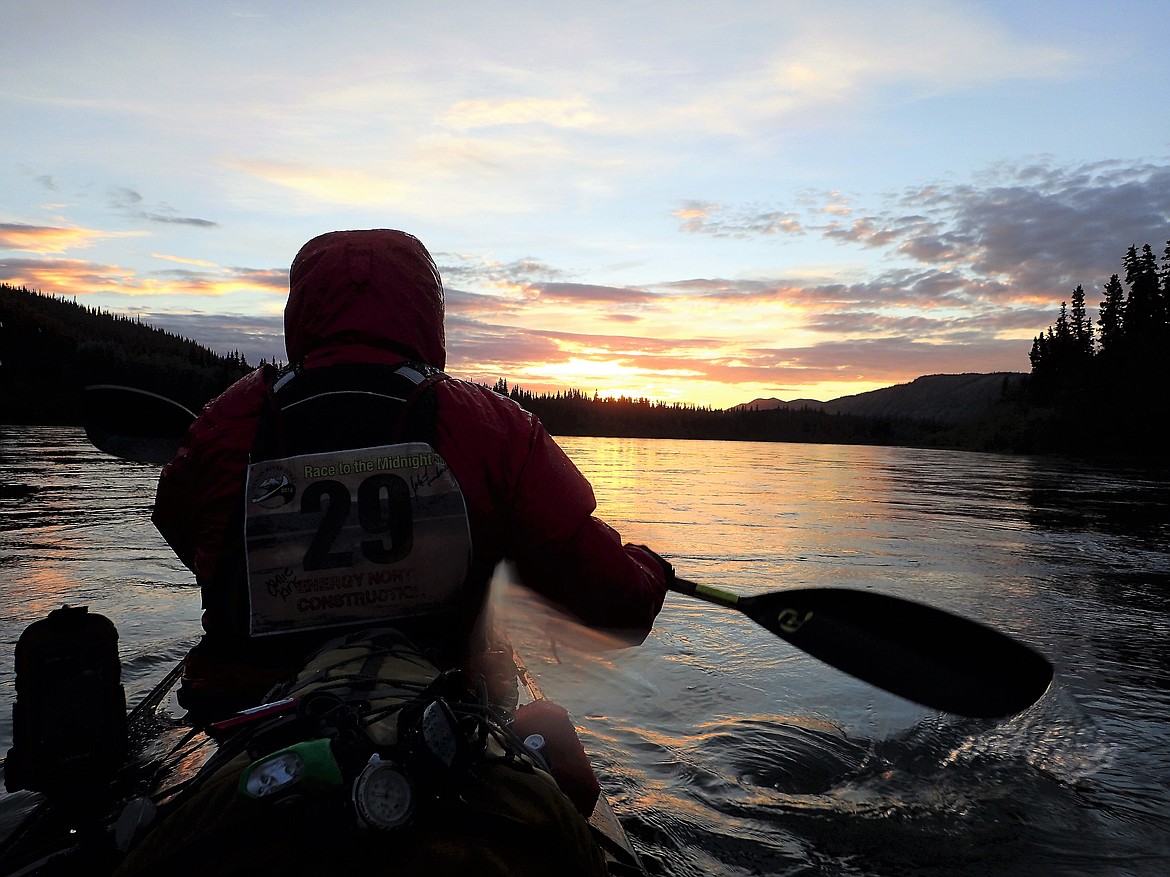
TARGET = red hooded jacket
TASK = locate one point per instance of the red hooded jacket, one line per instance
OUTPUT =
(376, 297)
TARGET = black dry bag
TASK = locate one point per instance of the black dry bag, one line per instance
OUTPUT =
(69, 718)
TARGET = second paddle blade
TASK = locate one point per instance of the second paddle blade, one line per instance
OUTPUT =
(923, 654)
(134, 424)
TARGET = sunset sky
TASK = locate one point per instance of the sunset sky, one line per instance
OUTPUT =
(689, 201)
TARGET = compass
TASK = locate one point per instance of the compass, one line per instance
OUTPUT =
(382, 795)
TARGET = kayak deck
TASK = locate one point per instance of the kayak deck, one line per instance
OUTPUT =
(168, 753)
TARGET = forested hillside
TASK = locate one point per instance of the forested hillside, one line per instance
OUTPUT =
(51, 347)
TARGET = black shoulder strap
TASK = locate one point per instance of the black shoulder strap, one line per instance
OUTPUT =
(348, 406)
(417, 418)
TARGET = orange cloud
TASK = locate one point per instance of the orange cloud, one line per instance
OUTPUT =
(47, 239)
(65, 276)
(695, 211)
(198, 262)
(77, 277)
(332, 185)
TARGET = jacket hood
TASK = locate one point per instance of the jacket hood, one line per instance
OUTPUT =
(376, 288)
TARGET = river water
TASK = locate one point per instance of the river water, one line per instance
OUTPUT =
(724, 750)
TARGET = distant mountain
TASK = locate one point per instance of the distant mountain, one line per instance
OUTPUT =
(773, 402)
(945, 399)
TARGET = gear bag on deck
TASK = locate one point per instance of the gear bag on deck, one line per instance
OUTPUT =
(69, 718)
(385, 765)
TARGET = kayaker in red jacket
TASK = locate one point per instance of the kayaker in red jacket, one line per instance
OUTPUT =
(364, 305)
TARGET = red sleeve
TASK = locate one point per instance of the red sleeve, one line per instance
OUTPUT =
(174, 502)
(197, 490)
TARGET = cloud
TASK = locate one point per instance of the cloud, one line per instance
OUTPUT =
(485, 352)
(130, 203)
(936, 47)
(78, 277)
(818, 59)
(570, 112)
(1023, 230)
(47, 239)
(180, 220)
(590, 293)
(483, 270)
(461, 303)
(429, 175)
(183, 261)
(221, 282)
(936, 328)
(721, 222)
(1044, 227)
(64, 276)
(476, 345)
(610, 345)
(328, 184)
(270, 279)
(256, 337)
(881, 232)
(893, 358)
(929, 287)
(742, 292)
(523, 284)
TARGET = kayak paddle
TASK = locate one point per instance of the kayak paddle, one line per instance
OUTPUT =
(915, 651)
(134, 424)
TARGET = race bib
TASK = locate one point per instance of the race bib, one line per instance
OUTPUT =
(353, 537)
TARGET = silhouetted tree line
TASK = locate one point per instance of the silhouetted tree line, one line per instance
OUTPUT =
(1106, 386)
(573, 412)
(51, 347)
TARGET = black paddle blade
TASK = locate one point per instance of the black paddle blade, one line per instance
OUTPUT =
(134, 424)
(912, 650)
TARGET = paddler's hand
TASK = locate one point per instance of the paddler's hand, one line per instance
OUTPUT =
(667, 567)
